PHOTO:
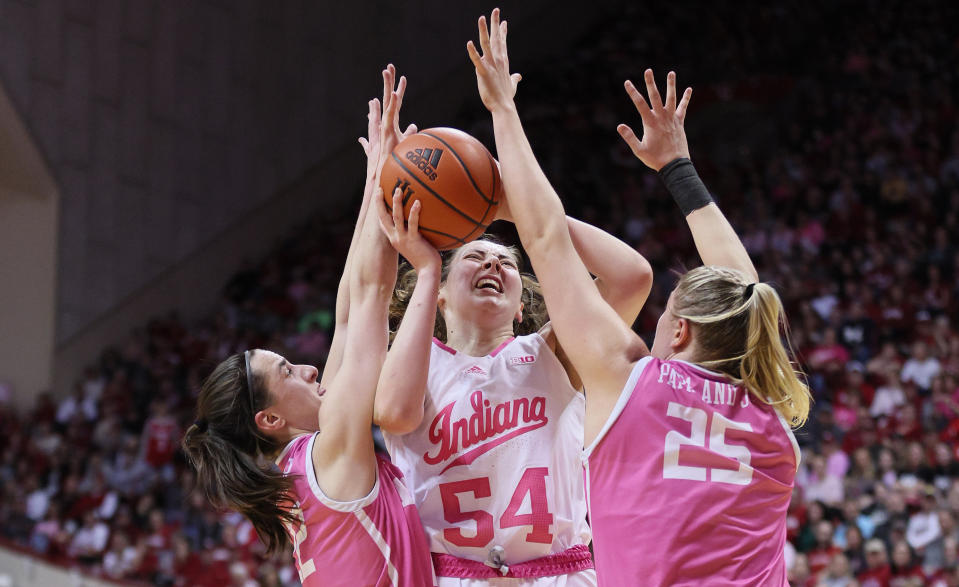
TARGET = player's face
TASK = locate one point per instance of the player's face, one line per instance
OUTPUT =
(294, 391)
(665, 328)
(483, 277)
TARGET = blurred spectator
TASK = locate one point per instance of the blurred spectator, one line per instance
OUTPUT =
(77, 403)
(877, 572)
(799, 574)
(923, 527)
(838, 573)
(824, 550)
(90, 540)
(920, 368)
(160, 436)
(821, 484)
(905, 571)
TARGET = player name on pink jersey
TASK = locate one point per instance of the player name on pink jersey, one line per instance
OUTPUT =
(486, 423)
(711, 392)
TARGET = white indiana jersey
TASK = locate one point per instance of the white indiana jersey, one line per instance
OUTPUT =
(496, 461)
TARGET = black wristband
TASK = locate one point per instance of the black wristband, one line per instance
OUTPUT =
(680, 178)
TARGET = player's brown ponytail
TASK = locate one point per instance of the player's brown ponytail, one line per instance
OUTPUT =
(228, 452)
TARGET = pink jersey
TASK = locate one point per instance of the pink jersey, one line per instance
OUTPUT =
(689, 481)
(375, 540)
(495, 467)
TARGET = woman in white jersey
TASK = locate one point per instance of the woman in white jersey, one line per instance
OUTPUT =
(690, 455)
(485, 420)
(346, 511)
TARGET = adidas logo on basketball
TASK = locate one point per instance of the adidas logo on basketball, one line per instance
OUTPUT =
(524, 360)
(426, 160)
(475, 370)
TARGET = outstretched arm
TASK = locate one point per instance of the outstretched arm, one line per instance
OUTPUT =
(663, 148)
(375, 149)
(401, 390)
(604, 358)
(343, 454)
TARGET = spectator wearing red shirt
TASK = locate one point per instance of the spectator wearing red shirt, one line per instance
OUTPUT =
(822, 553)
(799, 574)
(905, 570)
(828, 355)
(161, 436)
(877, 572)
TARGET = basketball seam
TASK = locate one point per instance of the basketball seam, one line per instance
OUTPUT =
(456, 238)
(430, 190)
(463, 165)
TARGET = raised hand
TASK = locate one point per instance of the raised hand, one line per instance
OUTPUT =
(389, 130)
(664, 137)
(496, 85)
(406, 238)
(371, 143)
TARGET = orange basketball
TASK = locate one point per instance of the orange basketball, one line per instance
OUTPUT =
(455, 178)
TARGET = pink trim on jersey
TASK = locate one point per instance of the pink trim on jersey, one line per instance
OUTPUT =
(453, 351)
(501, 346)
(572, 560)
(689, 482)
(443, 346)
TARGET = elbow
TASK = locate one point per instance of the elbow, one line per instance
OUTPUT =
(397, 419)
(636, 277)
(642, 274)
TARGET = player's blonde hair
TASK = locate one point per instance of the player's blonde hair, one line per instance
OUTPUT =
(534, 306)
(740, 330)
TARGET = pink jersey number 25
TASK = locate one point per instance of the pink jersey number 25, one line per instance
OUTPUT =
(700, 423)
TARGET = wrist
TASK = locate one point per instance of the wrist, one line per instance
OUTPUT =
(429, 270)
(504, 108)
(684, 185)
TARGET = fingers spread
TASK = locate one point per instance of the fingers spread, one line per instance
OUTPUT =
(474, 55)
(671, 91)
(683, 104)
(414, 222)
(484, 36)
(387, 84)
(638, 100)
(630, 137)
(655, 101)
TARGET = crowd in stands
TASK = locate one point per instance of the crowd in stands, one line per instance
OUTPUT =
(831, 142)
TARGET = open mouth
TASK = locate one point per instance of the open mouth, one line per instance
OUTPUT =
(489, 284)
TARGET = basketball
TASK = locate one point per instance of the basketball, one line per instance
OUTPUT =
(454, 177)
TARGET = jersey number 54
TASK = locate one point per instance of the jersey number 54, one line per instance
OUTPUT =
(539, 519)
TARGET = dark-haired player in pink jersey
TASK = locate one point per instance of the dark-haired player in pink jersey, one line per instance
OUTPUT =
(690, 454)
(347, 512)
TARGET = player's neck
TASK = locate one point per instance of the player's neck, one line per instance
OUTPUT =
(688, 353)
(476, 342)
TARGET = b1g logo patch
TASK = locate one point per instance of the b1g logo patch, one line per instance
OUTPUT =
(524, 360)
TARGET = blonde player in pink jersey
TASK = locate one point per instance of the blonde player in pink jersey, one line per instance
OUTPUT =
(486, 422)
(346, 511)
(690, 454)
